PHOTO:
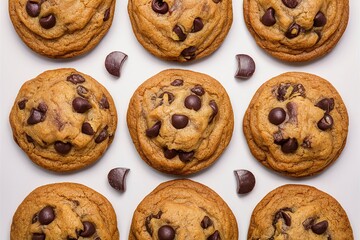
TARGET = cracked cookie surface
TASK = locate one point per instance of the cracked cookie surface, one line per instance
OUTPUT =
(180, 30)
(296, 30)
(296, 124)
(183, 209)
(61, 29)
(299, 212)
(63, 119)
(180, 121)
(64, 211)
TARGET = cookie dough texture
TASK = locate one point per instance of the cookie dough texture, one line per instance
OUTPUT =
(299, 212)
(180, 121)
(313, 128)
(190, 209)
(63, 119)
(180, 30)
(61, 29)
(64, 211)
(296, 30)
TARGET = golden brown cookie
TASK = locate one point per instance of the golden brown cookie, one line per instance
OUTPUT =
(64, 211)
(180, 30)
(180, 121)
(183, 209)
(296, 30)
(63, 119)
(61, 29)
(299, 212)
(296, 124)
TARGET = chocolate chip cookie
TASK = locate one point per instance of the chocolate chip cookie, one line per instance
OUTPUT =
(64, 211)
(299, 212)
(183, 209)
(296, 30)
(61, 29)
(63, 119)
(180, 30)
(296, 124)
(180, 121)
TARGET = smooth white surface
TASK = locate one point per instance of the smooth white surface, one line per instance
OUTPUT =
(19, 176)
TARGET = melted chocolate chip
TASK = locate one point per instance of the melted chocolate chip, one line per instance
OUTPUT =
(46, 215)
(106, 15)
(82, 91)
(206, 222)
(281, 214)
(102, 135)
(292, 111)
(48, 22)
(89, 229)
(62, 148)
(319, 20)
(159, 6)
(306, 143)
(81, 105)
(36, 116)
(148, 219)
(198, 90)
(87, 129)
(179, 32)
(298, 90)
(117, 177)
(154, 130)
(177, 82)
(104, 103)
(289, 146)
(290, 3)
(214, 236)
(22, 104)
(277, 115)
(245, 181)
(35, 218)
(186, 156)
(307, 224)
(33, 8)
(114, 62)
(193, 102)
(179, 121)
(38, 236)
(29, 139)
(166, 232)
(326, 122)
(215, 110)
(197, 25)
(268, 19)
(75, 78)
(246, 66)
(170, 153)
(170, 97)
(320, 227)
(326, 104)
(189, 53)
(278, 138)
(282, 91)
(293, 31)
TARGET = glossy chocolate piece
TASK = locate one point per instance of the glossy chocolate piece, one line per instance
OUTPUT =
(326, 122)
(268, 19)
(246, 66)
(289, 146)
(154, 130)
(277, 115)
(179, 121)
(192, 102)
(166, 232)
(87, 129)
(117, 177)
(320, 20)
(33, 8)
(159, 6)
(62, 148)
(245, 181)
(48, 21)
(89, 229)
(81, 105)
(114, 62)
(46, 215)
(75, 78)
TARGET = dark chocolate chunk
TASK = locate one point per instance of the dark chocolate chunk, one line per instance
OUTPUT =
(278, 138)
(117, 177)
(87, 129)
(246, 66)
(38, 236)
(62, 148)
(290, 3)
(81, 105)
(166, 232)
(206, 222)
(22, 104)
(215, 109)
(198, 90)
(154, 130)
(89, 229)
(193, 102)
(42, 107)
(179, 121)
(75, 78)
(36, 116)
(179, 32)
(106, 15)
(245, 181)
(48, 21)
(319, 20)
(282, 91)
(82, 91)
(148, 219)
(307, 224)
(197, 25)
(159, 6)
(102, 135)
(298, 90)
(33, 8)
(214, 236)
(326, 122)
(277, 115)
(289, 146)
(292, 111)
(268, 19)
(326, 104)
(293, 31)
(186, 156)
(104, 103)
(46, 215)
(170, 153)
(189, 53)
(114, 62)
(177, 82)
(281, 214)
(320, 227)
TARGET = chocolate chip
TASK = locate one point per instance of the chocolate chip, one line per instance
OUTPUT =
(29, 139)
(198, 90)
(159, 6)
(62, 148)
(154, 130)
(33, 8)
(214, 108)
(214, 236)
(75, 78)
(290, 3)
(245, 181)
(102, 135)
(277, 115)
(292, 111)
(81, 105)
(289, 146)
(82, 91)
(114, 62)
(177, 82)
(326, 104)
(46, 215)
(189, 53)
(307, 224)
(106, 15)
(104, 103)
(298, 90)
(87, 129)
(35, 117)
(148, 219)
(278, 138)
(326, 122)
(179, 121)
(206, 222)
(166, 232)
(117, 177)
(179, 32)
(320, 228)
(246, 66)
(186, 156)
(35, 218)
(38, 236)
(22, 104)
(192, 102)
(281, 214)
(282, 91)
(216, 1)
(170, 97)
(197, 25)
(42, 107)
(89, 229)
(268, 19)
(319, 20)
(293, 31)
(48, 22)
(170, 153)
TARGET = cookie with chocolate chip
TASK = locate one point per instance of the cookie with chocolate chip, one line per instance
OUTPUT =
(299, 212)
(183, 209)
(64, 211)
(63, 119)
(61, 29)
(296, 30)
(180, 121)
(180, 30)
(296, 124)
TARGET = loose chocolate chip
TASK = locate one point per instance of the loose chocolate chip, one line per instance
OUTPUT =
(268, 19)
(319, 20)
(320, 227)
(246, 66)
(46, 215)
(62, 148)
(197, 25)
(38, 236)
(29, 139)
(326, 122)
(35, 117)
(290, 3)
(277, 115)
(215, 110)
(293, 31)
(82, 91)
(170, 153)
(102, 135)
(154, 130)
(206, 222)
(104, 103)
(177, 82)
(114, 62)
(22, 104)
(289, 146)
(89, 229)
(193, 102)
(81, 105)
(326, 104)
(117, 177)
(33, 8)
(106, 15)
(198, 90)
(87, 129)
(48, 22)
(179, 32)
(189, 53)
(166, 232)
(307, 224)
(179, 121)
(159, 6)
(186, 156)
(75, 78)
(245, 181)
(214, 236)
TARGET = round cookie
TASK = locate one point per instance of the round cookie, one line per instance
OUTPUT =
(180, 121)
(296, 30)
(183, 209)
(64, 211)
(61, 29)
(299, 212)
(296, 124)
(63, 119)
(180, 30)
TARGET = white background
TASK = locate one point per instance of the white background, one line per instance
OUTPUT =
(19, 176)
